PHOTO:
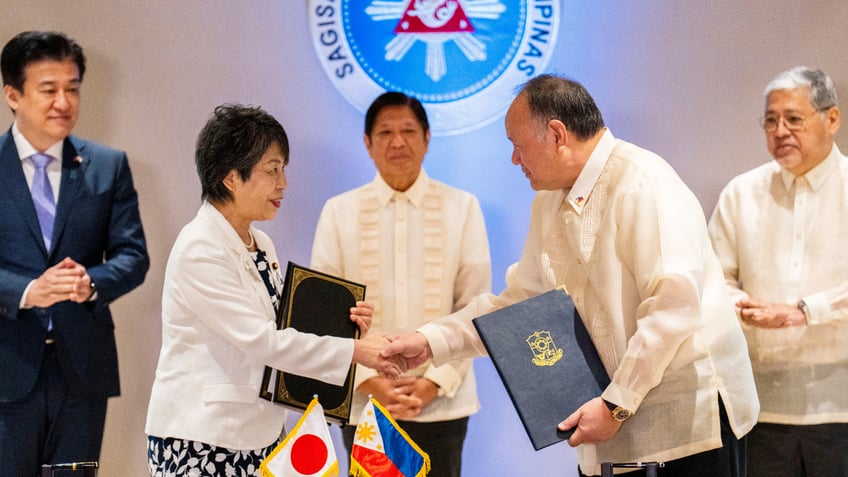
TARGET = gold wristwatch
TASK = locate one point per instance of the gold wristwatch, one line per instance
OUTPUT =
(618, 413)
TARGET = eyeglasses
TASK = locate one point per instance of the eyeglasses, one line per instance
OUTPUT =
(792, 121)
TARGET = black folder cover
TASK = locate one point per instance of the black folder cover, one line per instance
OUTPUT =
(546, 360)
(318, 303)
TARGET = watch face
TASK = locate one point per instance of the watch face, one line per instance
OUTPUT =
(621, 414)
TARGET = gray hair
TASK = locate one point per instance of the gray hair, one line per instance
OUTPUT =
(822, 92)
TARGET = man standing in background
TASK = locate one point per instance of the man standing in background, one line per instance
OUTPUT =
(421, 249)
(780, 232)
(71, 242)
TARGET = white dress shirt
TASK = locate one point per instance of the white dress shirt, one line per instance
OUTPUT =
(54, 173)
(629, 242)
(26, 150)
(783, 239)
(422, 254)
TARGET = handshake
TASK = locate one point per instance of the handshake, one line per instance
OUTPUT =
(391, 356)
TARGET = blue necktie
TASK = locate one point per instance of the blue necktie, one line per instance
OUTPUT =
(42, 197)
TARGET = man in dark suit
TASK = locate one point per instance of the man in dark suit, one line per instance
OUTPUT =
(62, 261)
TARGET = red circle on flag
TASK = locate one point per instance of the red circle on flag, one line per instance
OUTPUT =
(309, 454)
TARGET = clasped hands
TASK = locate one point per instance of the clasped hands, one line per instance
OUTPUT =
(67, 280)
(404, 397)
(765, 314)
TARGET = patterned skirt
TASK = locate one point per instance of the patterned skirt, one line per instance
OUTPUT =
(170, 457)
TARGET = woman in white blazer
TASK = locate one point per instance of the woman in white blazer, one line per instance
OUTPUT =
(221, 289)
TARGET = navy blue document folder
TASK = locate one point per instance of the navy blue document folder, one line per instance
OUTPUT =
(546, 360)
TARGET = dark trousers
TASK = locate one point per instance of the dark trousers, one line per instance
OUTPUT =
(441, 440)
(51, 425)
(729, 460)
(778, 450)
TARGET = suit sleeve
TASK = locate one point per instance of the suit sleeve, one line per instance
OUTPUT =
(125, 256)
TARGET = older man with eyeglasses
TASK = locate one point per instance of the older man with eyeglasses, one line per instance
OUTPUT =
(781, 234)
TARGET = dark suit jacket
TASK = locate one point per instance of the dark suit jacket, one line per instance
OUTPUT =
(98, 225)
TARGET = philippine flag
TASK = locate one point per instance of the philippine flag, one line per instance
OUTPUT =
(307, 450)
(382, 449)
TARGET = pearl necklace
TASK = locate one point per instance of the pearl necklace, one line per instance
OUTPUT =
(252, 241)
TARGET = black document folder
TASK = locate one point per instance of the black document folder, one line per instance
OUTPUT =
(318, 303)
(546, 360)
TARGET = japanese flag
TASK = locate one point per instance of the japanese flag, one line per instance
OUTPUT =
(306, 451)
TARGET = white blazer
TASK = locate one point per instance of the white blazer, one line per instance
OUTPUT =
(218, 333)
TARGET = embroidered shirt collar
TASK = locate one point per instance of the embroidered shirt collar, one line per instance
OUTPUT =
(816, 176)
(579, 192)
(415, 193)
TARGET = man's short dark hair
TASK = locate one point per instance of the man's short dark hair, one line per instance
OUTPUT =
(34, 46)
(394, 98)
(234, 137)
(554, 97)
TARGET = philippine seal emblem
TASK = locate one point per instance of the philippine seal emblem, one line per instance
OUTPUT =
(545, 351)
(461, 58)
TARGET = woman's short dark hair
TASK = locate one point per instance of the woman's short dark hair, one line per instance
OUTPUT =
(394, 98)
(33, 46)
(234, 137)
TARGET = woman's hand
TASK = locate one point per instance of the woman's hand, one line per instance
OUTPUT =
(368, 352)
(361, 314)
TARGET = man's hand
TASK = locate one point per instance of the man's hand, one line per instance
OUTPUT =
(594, 424)
(413, 349)
(361, 314)
(400, 404)
(67, 280)
(368, 352)
(770, 315)
(421, 390)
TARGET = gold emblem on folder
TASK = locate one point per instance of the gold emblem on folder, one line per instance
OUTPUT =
(545, 351)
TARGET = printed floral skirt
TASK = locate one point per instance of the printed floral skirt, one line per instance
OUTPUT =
(178, 457)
